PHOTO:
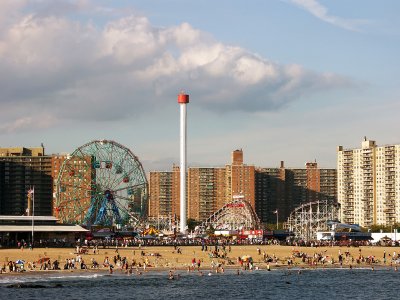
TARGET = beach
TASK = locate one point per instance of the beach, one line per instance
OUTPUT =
(181, 258)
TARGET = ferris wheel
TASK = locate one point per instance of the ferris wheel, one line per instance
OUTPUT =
(101, 183)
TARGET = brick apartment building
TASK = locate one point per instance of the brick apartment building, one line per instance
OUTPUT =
(284, 189)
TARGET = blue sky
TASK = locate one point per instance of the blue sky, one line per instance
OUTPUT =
(282, 79)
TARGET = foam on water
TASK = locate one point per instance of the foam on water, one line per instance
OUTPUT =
(10, 279)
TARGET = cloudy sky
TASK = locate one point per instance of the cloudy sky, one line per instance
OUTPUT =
(282, 79)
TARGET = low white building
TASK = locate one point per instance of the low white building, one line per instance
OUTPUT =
(377, 236)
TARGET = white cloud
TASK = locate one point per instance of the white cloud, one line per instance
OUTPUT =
(28, 123)
(321, 12)
(55, 67)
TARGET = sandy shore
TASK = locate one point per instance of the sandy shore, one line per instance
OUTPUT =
(166, 257)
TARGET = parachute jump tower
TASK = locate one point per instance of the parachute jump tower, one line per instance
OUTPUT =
(183, 99)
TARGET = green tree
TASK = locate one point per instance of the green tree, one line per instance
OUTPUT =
(191, 224)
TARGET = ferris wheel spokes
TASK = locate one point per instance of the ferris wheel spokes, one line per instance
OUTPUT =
(99, 185)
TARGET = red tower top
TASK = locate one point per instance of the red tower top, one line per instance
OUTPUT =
(183, 98)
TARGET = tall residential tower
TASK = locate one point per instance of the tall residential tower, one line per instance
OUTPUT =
(369, 184)
(22, 169)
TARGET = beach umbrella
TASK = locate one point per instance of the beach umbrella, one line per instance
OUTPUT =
(19, 262)
(246, 257)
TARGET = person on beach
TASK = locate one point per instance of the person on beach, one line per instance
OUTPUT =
(193, 263)
(95, 264)
(83, 265)
(198, 264)
(106, 262)
(340, 259)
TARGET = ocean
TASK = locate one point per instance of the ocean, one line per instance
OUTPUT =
(277, 284)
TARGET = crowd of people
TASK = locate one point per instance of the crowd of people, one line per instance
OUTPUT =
(171, 241)
(95, 254)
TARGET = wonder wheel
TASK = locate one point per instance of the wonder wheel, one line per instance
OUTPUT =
(101, 183)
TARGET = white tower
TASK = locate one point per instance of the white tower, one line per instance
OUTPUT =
(183, 99)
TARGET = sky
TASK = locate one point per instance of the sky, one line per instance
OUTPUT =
(283, 80)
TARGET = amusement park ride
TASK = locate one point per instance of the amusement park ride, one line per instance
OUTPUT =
(235, 215)
(308, 219)
(101, 183)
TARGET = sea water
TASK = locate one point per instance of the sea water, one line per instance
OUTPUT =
(261, 284)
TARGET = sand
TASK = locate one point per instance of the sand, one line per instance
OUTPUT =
(169, 258)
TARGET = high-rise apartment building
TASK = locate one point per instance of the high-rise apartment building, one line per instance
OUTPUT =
(240, 179)
(283, 189)
(206, 192)
(164, 196)
(369, 184)
(22, 169)
(270, 193)
(160, 200)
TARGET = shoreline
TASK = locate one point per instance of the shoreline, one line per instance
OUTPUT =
(105, 272)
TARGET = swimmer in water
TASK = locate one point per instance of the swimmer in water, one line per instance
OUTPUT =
(170, 275)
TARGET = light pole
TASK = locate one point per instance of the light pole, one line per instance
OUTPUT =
(277, 218)
(31, 192)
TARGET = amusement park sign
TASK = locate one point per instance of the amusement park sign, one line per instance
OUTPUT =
(252, 232)
(235, 204)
